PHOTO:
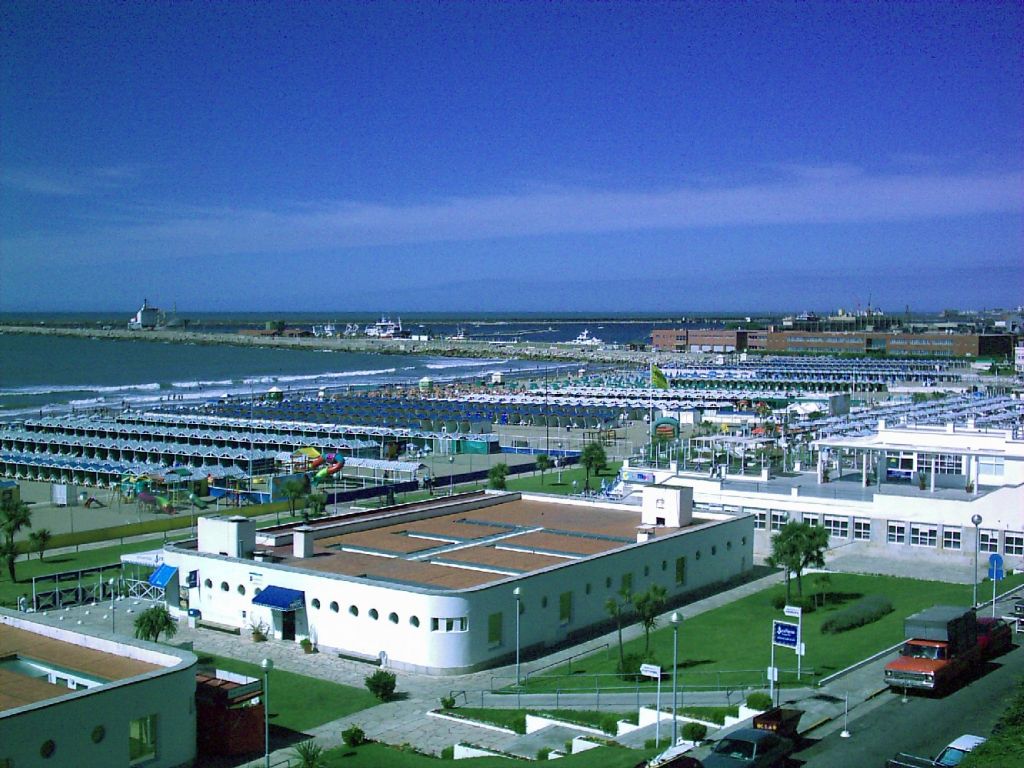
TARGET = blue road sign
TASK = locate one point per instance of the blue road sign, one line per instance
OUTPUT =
(785, 634)
(995, 568)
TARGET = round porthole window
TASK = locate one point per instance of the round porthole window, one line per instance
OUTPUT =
(393, 618)
(316, 603)
(353, 610)
(48, 748)
(334, 606)
(224, 586)
(414, 620)
(98, 734)
(241, 589)
(697, 555)
(373, 614)
(208, 583)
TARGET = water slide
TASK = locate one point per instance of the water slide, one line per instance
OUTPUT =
(196, 501)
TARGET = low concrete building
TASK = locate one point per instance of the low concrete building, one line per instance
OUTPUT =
(436, 586)
(69, 699)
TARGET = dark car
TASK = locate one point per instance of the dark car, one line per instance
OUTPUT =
(749, 748)
(1018, 607)
(994, 636)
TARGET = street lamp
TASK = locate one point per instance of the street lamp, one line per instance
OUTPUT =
(675, 619)
(516, 593)
(113, 607)
(976, 519)
(451, 475)
(267, 664)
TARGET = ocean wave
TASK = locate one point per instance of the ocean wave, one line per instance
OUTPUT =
(197, 384)
(88, 401)
(315, 376)
(57, 389)
(463, 364)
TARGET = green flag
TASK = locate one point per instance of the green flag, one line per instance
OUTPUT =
(658, 378)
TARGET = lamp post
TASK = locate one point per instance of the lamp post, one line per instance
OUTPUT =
(976, 519)
(113, 607)
(675, 619)
(267, 664)
(451, 475)
(516, 593)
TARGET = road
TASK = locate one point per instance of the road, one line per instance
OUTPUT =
(921, 726)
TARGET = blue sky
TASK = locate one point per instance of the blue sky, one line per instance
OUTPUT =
(533, 157)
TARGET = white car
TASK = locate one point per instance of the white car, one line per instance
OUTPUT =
(958, 749)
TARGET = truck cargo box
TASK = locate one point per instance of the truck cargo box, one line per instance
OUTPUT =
(944, 623)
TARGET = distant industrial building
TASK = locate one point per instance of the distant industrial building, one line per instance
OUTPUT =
(145, 319)
(699, 340)
(436, 586)
(77, 701)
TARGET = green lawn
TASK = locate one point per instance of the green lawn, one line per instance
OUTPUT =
(729, 646)
(532, 482)
(379, 755)
(298, 702)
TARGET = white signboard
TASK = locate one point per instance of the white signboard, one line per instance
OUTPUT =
(773, 674)
(793, 611)
(650, 670)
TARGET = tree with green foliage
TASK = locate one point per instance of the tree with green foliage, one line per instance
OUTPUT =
(649, 605)
(309, 754)
(14, 515)
(496, 476)
(593, 458)
(616, 607)
(381, 684)
(795, 548)
(153, 622)
(293, 489)
(317, 504)
(40, 540)
(543, 463)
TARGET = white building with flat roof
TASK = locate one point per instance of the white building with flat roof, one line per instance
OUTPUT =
(903, 488)
(78, 701)
(436, 586)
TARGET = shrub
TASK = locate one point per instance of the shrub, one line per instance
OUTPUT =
(864, 611)
(518, 723)
(630, 668)
(448, 753)
(694, 731)
(381, 684)
(448, 702)
(807, 602)
(759, 701)
(650, 744)
(610, 724)
(353, 736)
(543, 752)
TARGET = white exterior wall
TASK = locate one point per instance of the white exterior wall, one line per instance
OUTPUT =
(418, 647)
(70, 720)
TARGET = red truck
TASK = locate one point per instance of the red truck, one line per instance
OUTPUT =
(940, 650)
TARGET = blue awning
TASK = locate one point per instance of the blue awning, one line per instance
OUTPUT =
(162, 575)
(280, 599)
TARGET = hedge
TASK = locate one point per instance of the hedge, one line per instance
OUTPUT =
(865, 611)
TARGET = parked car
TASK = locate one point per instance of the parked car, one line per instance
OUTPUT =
(749, 748)
(994, 636)
(1018, 607)
(950, 756)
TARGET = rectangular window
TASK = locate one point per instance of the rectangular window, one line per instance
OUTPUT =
(988, 541)
(778, 519)
(1013, 543)
(945, 463)
(142, 740)
(991, 465)
(565, 607)
(837, 526)
(760, 521)
(627, 583)
(861, 529)
(458, 624)
(923, 535)
(951, 538)
(494, 624)
(812, 520)
(680, 571)
(897, 533)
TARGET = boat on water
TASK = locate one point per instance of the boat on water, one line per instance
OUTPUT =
(460, 335)
(326, 331)
(386, 328)
(586, 340)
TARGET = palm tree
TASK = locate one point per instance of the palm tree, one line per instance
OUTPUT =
(649, 605)
(616, 607)
(593, 460)
(293, 489)
(496, 476)
(14, 515)
(40, 540)
(309, 755)
(317, 503)
(543, 462)
(153, 622)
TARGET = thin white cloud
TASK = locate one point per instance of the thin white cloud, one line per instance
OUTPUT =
(801, 196)
(57, 183)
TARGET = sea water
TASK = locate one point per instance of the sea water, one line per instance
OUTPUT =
(44, 374)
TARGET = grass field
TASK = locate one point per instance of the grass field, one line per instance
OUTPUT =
(729, 646)
(381, 756)
(298, 702)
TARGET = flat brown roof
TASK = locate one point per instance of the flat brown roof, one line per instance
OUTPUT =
(468, 548)
(17, 690)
